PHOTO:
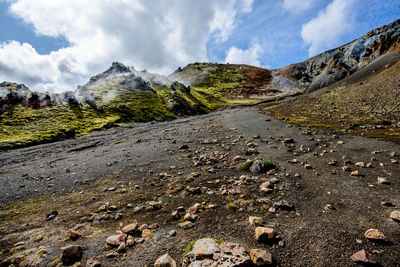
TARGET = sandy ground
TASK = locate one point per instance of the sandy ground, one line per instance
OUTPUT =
(144, 162)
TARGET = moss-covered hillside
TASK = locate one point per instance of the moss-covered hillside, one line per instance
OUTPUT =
(114, 98)
(222, 84)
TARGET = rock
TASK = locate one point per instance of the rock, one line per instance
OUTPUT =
(71, 254)
(382, 180)
(204, 248)
(73, 234)
(395, 215)
(121, 248)
(255, 220)
(264, 233)
(266, 187)
(186, 225)
(147, 233)
(354, 173)
(346, 168)
(51, 215)
(374, 234)
(238, 158)
(257, 166)
(260, 257)
(190, 217)
(171, 233)
(194, 208)
(175, 215)
(130, 241)
(363, 256)
(132, 229)
(112, 255)
(207, 252)
(360, 164)
(307, 166)
(284, 205)
(116, 240)
(165, 261)
(93, 263)
(251, 151)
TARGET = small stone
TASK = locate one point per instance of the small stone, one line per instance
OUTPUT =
(186, 225)
(284, 205)
(382, 180)
(71, 254)
(112, 255)
(121, 248)
(147, 233)
(74, 234)
(346, 168)
(394, 161)
(130, 241)
(360, 164)
(132, 229)
(363, 257)
(165, 261)
(308, 166)
(395, 215)
(374, 234)
(171, 233)
(255, 220)
(116, 240)
(264, 233)
(260, 257)
(175, 215)
(139, 240)
(190, 217)
(51, 215)
(354, 173)
(93, 263)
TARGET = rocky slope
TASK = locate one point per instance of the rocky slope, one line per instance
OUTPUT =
(334, 65)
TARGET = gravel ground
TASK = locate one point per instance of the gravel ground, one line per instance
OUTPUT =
(146, 162)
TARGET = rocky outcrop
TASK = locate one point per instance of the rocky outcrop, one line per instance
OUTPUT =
(334, 65)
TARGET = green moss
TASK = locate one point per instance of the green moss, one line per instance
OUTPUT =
(231, 206)
(246, 166)
(316, 125)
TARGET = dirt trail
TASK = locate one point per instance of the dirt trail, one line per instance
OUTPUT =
(140, 163)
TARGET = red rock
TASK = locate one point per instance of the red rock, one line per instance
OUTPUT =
(132, 229)
(364, 257)
(74, 234)
(354, 173)
(270, 172)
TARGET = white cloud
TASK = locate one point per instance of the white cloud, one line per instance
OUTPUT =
(296, 6)
(250, 56)
(156, 35)
(325, 30)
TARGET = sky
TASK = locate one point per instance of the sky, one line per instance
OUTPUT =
(55, 45)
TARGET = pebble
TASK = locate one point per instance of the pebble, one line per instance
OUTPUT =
(132, 229)
(186, 225)
(395, 215)
(346, 168)
(116, 240)
(253, 220)
(374, 234)
(93, 263)
(264, 233)
(165, 261)
(171, 233)
(382, 180)
(260, 257)
(112, 255)
(363, 256)
(121, 248)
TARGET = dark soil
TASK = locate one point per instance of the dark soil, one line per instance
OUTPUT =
(70, 177)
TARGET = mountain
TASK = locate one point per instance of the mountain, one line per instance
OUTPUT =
(336, 64)
(122, 94)
(361, 87)
(114, 97)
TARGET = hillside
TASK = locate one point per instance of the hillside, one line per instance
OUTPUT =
(114, 97)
